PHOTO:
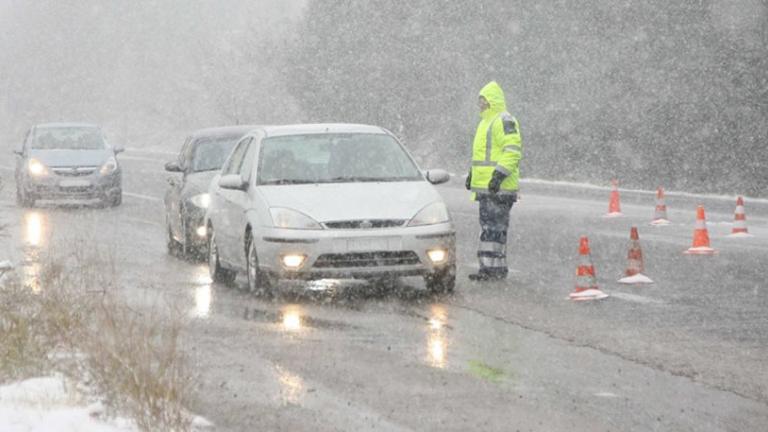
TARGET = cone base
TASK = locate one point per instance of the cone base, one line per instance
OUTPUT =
(590, 294)
(701, 250)
(660, 222)
(613, 215)
(740, 235)
(636, 279)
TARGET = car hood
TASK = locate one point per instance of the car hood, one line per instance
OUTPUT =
(353, 201)
(199, 181)
(71, 158)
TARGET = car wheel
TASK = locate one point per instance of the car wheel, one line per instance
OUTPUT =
(23, 199)
(259, 282)
(442, 281)
(173, 246)
(116, 199)
(217, 272)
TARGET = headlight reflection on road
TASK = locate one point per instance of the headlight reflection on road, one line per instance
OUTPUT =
(34, 224)
(292, 386)
(203, 293)
(437, 341)
(291, 318)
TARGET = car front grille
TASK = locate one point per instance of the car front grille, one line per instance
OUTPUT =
(74, 171)
(367, 259)
(365, 224)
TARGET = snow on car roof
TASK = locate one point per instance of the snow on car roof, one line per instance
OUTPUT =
(321, 128)
(224, 130)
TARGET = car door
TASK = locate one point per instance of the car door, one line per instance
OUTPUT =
(225, 227)
(240, 204)
(174, 192)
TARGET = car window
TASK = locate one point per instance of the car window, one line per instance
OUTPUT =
(184, 153)
(247, 165)
(210, 152)
(68, 138)
(334, 158)
(232, 165)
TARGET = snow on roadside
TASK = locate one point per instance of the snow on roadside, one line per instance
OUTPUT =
(48, 404)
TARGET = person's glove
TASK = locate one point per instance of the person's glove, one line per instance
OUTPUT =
(495, 184)
(468, 181)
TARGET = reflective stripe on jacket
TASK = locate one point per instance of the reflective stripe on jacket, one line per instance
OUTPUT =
(497, 144)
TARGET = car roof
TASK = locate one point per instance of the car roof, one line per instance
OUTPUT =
(322, 128)
(66, 125)
(223, 131)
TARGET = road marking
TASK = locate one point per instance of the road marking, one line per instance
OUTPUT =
(139, 158)
(142, 221)
(635, 298)
(150, 151)
(606, 395)
(140, 196)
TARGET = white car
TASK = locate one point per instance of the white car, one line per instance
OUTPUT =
(327, 201)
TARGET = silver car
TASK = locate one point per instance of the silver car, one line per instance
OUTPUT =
(327, 201)
(67, 161)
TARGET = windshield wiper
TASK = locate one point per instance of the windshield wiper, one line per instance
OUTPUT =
(365, 179)
(286, 181)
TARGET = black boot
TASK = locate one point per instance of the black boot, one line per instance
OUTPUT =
(487, 276)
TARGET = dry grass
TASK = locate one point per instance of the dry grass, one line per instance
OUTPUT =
(132, 359)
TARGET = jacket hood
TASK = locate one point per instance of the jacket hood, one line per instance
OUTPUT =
(493, 93)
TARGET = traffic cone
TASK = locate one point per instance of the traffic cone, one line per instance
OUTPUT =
(700, 236)
(614, 207)
(586, 284)
(660, 215)
(740, 220)
(634, 273)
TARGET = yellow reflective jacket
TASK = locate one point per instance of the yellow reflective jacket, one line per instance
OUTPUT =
(497, 144)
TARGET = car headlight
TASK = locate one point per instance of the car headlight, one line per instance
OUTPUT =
(37, 168)
(202, 200)
(292, 219)
(109, 166)
(434, 213)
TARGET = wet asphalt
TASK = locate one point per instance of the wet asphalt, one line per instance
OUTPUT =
(684, 354)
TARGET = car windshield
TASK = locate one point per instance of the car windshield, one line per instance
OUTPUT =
(210, 153)
(334, 158)
(68, 138)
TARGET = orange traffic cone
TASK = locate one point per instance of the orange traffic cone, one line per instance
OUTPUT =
(660, 215)
(614, 207)
(740, 220)
(634, 273)
(700, 236)
(586, 285)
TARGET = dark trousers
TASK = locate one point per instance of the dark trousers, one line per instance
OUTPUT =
(494, 222)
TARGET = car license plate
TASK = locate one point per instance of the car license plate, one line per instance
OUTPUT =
(373, 244)
(74, 183)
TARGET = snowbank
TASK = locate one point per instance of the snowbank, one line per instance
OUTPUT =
(47, 404)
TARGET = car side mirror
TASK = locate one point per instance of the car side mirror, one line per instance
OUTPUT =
(438, 176)
(233, 181)
(18, 152)
(172, 167)
(118, 149)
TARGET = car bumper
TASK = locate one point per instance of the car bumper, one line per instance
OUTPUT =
(88, 187)
(357, 253)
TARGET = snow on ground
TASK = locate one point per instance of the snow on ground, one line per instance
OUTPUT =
(49, 404)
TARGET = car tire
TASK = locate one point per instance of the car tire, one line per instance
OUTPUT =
(441, 281)
(23, 199)
(217, 272)
(174, 248)
(116, 199)
(259, 282)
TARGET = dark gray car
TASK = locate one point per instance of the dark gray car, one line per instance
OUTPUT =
(186, 198)
(67, 161)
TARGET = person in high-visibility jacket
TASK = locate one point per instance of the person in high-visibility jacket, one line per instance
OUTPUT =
(493, 179)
